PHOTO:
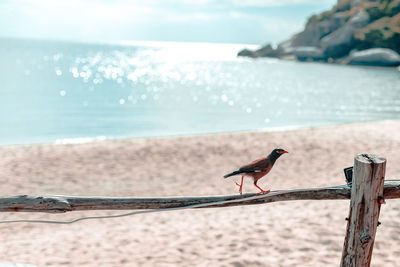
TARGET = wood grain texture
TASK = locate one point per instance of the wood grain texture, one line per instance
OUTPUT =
(367, 195)
(54, 204)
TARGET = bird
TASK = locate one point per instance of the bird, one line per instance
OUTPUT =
(258, 169)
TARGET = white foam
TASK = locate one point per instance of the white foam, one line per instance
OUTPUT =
(79, 140)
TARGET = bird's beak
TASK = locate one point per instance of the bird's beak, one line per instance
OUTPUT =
(285, 151)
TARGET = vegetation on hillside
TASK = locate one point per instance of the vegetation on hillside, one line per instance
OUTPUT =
(383, 32)
(383, 29)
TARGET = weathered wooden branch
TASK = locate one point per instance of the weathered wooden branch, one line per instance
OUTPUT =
(367, 195)
(54, 204)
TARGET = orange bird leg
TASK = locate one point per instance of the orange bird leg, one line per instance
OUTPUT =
(240, 186)
(262, 191)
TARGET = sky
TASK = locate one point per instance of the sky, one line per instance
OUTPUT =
(220, 21)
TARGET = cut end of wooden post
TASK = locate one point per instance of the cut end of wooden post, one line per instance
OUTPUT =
(370, 158)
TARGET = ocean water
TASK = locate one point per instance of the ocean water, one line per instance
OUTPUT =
(69, 92)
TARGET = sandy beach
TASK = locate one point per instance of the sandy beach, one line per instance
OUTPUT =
(299, 233)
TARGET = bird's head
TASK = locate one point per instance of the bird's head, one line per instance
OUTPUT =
(277, 152)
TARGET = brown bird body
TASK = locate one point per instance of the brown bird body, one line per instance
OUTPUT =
(258, 169)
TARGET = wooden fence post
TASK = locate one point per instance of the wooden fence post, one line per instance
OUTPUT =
(365, 203)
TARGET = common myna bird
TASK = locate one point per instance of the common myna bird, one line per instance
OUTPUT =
(258, 168)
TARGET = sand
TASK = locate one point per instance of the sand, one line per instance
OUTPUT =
(297, 233)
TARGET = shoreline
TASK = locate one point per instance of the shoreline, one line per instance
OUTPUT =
(334, 63)
(85, 140)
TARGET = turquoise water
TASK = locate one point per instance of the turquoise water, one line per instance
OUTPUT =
(72, 92)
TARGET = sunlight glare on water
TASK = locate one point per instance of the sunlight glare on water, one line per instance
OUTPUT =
(57, 90)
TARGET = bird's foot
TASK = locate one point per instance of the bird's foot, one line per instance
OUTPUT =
(263, 192)
(240, 187)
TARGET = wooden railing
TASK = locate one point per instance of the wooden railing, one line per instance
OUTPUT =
(368, 192)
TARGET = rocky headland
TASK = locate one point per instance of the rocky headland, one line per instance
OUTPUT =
(357, 32)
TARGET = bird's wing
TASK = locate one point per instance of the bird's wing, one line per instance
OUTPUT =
(259, 165)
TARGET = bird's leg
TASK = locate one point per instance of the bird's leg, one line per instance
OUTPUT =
(262, 191)
(240, 185)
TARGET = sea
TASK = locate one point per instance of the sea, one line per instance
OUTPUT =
(74, 92)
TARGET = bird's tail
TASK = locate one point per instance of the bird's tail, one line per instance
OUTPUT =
(231, 174)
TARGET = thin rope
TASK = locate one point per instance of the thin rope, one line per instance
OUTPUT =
(201, 205)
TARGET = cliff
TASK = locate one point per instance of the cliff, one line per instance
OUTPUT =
(342, 33)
